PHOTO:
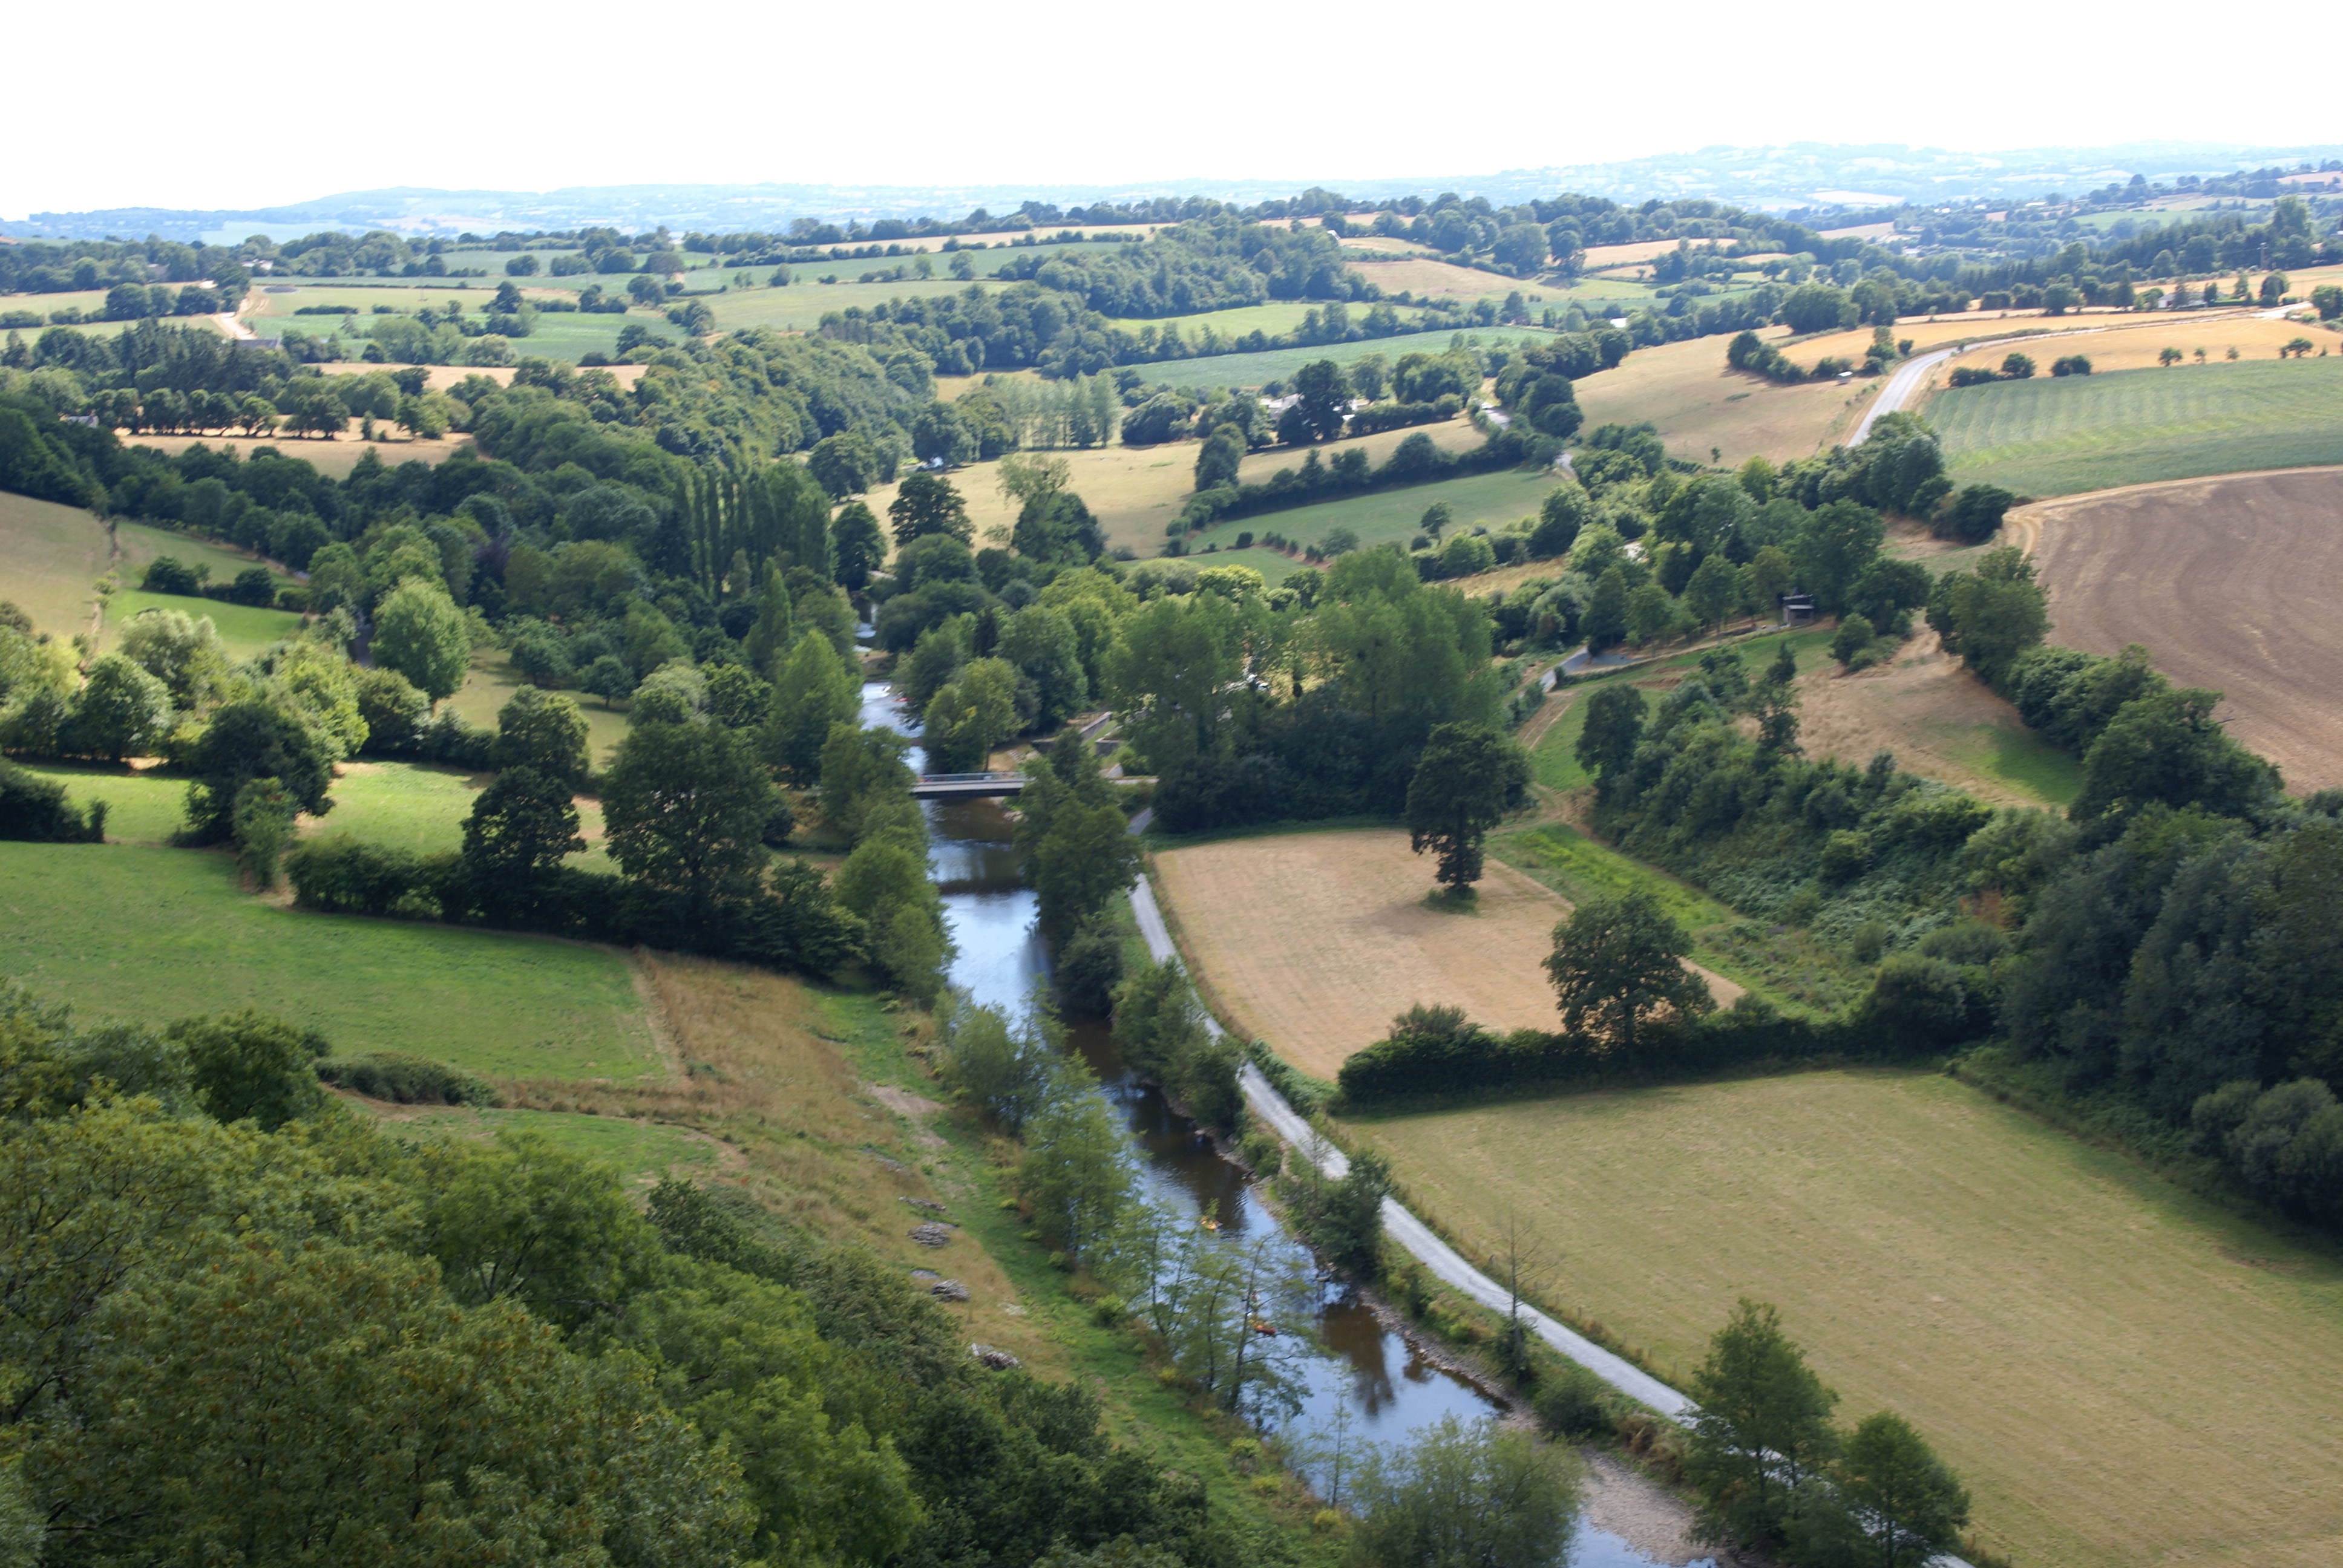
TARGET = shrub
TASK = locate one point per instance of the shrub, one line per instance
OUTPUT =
(343, 876)
(169, 574)
(406, 1080)
(1572, 1402)
(33, 808)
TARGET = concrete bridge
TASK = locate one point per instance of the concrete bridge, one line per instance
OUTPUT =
(967, 786)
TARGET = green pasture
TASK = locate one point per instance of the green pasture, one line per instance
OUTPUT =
(2060, 436)
(1392, 517)
(1274, 567)
(152, 934)
(1579, 868)
(642, 1152)
(2023, 760)
(84, 299)
(147, 807)
(51, 557)
(491, 685)
(244, 631)
(136, 544)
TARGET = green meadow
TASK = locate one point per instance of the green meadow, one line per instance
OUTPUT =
(1388, 516)
(149, 934)
(2058, 436)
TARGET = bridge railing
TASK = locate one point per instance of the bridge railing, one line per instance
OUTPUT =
(970, 777)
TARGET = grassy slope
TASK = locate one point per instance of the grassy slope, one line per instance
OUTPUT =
(137, 543)
(2051, 437)
(642, 1150)
(2121, 1373)
(50, 556)
(148, 933)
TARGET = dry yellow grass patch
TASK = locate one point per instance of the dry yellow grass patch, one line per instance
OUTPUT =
(1599, 257)
(1312, 941)
(333, 457)
(2120, 1374)
(2134, 342)
(1422, 273)
(444, 377)
(1697, 402)
(821, 1148)
(1941, 722)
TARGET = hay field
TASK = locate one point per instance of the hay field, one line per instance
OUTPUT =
(1384, 516)
(2122, 1375)
(152, 934)
(1697, 402)
(332, 455)
(51, 557)
(2057, 437)
(2232, 583)
(1312, 941)
(2133, 341)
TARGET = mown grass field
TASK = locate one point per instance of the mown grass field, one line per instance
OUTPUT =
(152, 934)
(2122, 1375)
(491, 685)
(2057, 437)
(1387, 516)
(51, 557)
(244, 631)
(141, 807)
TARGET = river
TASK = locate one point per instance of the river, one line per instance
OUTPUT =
(1389, 1389)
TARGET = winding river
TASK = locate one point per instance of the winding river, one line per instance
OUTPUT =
(1389, 1389)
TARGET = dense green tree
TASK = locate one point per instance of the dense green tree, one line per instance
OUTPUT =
(1613, 724)
(860, 769)
(1322, 401)
(774, 629)
(1714, 591)
(252, 739)
(813, 690)
(1458, 1494)
(543, 731)
(1896, 1506)
(2166, 749)
(525, 1220)
(1465, 780)
(885, 883)
(249, 1064)
(1619, 959)
(520, 829)
(843, 464)
(120, 712)
(685, 808)
(975, 712)
(1217, 459)
(184, 652)
(925, 506)
(1990, 617)
(861, 546)
(1762, 1433)
(1606, 624)
(419, 633)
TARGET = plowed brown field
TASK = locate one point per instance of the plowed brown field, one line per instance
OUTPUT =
(2233, 583)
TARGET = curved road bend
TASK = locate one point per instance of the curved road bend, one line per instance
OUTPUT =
(1263, 1101)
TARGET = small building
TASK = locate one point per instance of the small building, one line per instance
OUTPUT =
(1797, 609)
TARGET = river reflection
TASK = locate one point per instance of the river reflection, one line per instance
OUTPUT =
(1388, 1387)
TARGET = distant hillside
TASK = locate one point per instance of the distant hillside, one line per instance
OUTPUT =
(1803, 174)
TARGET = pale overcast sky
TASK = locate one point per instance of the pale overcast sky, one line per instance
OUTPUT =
(143, 103)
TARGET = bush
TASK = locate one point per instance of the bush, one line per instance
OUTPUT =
(343, 876)
(1089, 966)
(33, 808)
(169, 574)
(2072, 365)
(406, 1080)
(1572, 1402)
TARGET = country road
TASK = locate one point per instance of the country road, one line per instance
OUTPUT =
(1262, 1100)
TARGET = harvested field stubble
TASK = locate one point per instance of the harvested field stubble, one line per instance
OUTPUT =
(1314, 940)
(2121, 1374)
(2231, 582)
